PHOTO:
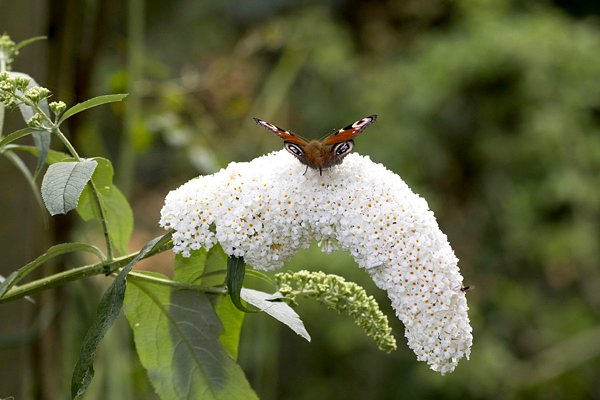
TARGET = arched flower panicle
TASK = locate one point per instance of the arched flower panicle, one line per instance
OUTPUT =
(267, 209)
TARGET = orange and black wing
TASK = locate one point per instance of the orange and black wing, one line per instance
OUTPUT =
(285, 135)
(350, 132)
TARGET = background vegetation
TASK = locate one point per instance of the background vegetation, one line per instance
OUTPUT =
(490, 109)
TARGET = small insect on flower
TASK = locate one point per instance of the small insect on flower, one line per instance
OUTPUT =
(325, 153)
(465, 289)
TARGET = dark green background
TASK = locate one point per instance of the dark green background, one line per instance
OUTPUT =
(490, 109)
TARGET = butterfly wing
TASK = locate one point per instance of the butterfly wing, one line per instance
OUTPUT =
(285, 135)
(350, 132)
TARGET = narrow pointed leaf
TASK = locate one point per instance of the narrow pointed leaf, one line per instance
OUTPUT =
(53, 251)
(177, 338)
(279, 310)
(96, 101)
(236, 269)
(108, 310)
(63, 183)
(25, 42)
(16, 135)
(53, 155)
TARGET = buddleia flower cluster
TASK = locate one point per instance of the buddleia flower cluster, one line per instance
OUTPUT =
(267, 209)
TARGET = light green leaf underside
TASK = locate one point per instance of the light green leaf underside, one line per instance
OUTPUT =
(63, 183)
(279, 310)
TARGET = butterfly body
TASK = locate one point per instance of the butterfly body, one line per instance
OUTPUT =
(321, 154)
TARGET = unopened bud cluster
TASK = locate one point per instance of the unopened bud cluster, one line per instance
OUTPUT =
(344, 297)
(36, 94)
(58, 107)
(8, 49)
(14, 91)
(8, 87)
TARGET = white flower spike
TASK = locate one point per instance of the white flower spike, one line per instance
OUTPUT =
(267, 209)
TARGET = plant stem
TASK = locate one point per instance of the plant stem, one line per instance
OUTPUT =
(95, 193)
(63, 277)
(53, 127)
(56, 130)
(137, 276)
(109, 249)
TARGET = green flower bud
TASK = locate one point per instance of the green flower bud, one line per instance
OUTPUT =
(8, 49)
(58, 107)
(9, 101)
(21, 83)
(7, 84)
(37, 121)
(37, 94)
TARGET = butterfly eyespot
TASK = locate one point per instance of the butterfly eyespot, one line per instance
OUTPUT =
(295, 150)
(343, 148)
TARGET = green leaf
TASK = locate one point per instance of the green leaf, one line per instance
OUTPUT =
(194, 269)
(16, 135)
(280, 310)
(230, 316)
(216, 261)
(119, 217)
(176, 334)
(232, 320)
(108, 310)
(63, 183)
(25, 42)
(53, 251)
(191, 270)
(96, 101)
(236, 269)
(53, 155)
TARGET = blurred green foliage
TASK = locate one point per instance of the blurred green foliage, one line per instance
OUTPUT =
(490, 109)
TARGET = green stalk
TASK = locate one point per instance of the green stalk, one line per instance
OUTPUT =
(56, 130)
(71, 275)
(137, 276)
